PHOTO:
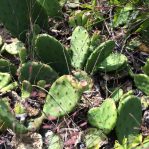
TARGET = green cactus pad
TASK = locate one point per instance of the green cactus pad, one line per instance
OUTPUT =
(63, 97)
(117, 94)
(114, 61)
(103, 117)
(19, 15)
(52, 52)
(23, 55)
(13, 48)
(9, 120)
(129, 118)
(142, 82)
(146, 67)
(7, 66)
(5, 78)
(9, 87)
(52, 7)
(26, 89)
(35, 71)
(98, 55)
(93, 138)
(54, 141)
(80, 47)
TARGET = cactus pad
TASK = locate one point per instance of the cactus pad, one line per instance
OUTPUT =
(52, 52)
(5, 78)
(63, 96)
(7, 66)
(35, 71)
(98, 55)
(114, 61)
(17, 15)
(52, 8)
(93, 138)
(146, 67)
(9, 120)
(80, 47)
(103, 117)
(26, 89)
(129, 118)
(13, 48)
(142, 82)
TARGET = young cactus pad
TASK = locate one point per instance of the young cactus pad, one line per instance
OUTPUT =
(9, 120)
(103, 117)
(52, 7)
(129, 118)
(98, 55)
(80, 47)
(63, 96)
(52, 52)
(35, 71)
(114, 61)
(20, 14)
(142, 82)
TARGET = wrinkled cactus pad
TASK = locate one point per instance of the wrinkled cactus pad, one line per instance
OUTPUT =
(129, 118)
(36, 71)
(103, 117)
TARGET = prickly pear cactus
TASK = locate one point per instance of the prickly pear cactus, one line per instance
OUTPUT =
(23, 55)
(93, 138)
(9, 87)
(63, 96)
(20, 14)
(80, 47)
(146, 67)
(98, 55)
(142, 82)
(52, 8)
(54, 141)
(35, 71)
(26, 89)
(129, 118)
(13, 48)
(9, 120)
(5, 78)
(103, 117)
(114, 61)
(53, 53)
(117, 94)
(7, 66)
